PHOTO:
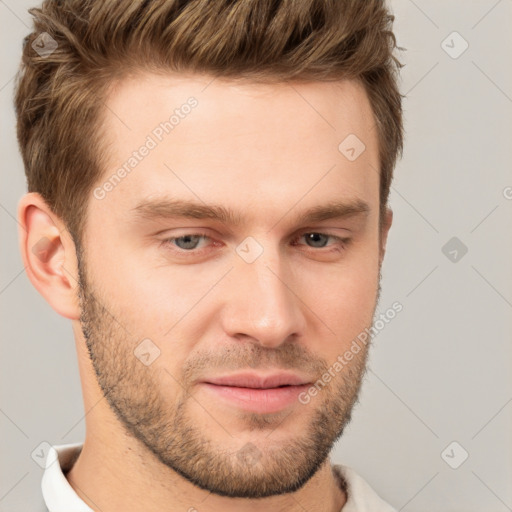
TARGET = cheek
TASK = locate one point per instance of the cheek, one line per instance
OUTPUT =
(155, 299)
(161, 303)
(346, 298)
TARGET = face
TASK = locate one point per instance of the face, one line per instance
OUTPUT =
(274, 269)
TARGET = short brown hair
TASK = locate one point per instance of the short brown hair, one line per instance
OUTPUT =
(60, 95)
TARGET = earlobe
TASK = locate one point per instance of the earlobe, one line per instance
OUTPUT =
(49, 256)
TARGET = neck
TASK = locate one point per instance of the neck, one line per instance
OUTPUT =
(110, 476)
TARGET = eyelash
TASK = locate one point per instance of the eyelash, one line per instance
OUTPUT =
(343, 242)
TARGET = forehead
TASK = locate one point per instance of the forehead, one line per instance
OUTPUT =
(250, 145)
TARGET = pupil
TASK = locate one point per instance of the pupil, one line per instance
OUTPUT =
(189, 239)
(313, 236)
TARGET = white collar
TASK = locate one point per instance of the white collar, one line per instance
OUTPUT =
(360, 496)
(58, 494)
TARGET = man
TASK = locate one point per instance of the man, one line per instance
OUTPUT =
(208, 185)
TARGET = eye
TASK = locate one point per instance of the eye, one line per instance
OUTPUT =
(187, 242)
(318, 240)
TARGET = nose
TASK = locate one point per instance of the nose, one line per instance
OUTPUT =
(262, 302)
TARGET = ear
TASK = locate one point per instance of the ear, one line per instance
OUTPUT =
(49, 255)
(388, 219)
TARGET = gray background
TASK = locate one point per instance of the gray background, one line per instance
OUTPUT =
(439, 372)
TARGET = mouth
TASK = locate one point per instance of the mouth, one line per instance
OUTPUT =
(263, 394)
(259, 381)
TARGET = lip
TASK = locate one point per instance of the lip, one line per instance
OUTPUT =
(263, 401)
(258, 381)
(257, 393)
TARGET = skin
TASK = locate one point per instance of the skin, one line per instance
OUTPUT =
(155, 439)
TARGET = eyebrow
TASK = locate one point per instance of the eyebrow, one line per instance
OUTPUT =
(166, 208)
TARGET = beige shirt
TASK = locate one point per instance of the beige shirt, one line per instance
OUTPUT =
(59, 496)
